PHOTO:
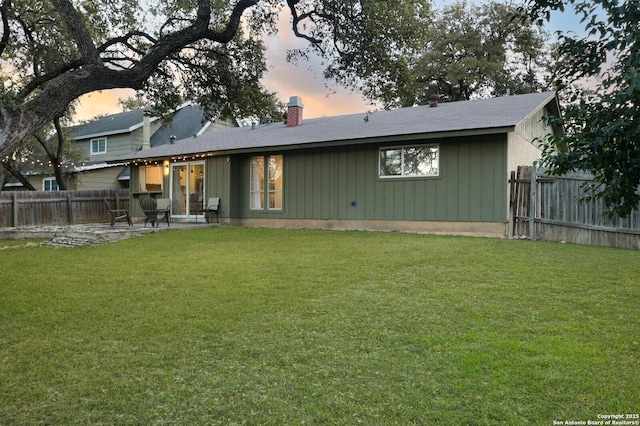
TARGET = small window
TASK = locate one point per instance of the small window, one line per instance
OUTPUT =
(266, 183)
(150, 178)
(98, 146)
(409, 161)
(49, 184)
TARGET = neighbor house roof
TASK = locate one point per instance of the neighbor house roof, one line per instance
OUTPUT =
(124, 122)
(186, 122)
(485, 115)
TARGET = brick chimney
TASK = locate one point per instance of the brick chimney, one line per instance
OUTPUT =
(294, 111)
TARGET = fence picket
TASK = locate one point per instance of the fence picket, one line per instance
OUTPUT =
(557, 213)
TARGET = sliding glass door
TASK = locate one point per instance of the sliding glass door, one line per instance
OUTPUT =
(187, 188)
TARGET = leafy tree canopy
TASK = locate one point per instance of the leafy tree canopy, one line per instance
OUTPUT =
(207, 51)
(469, 51)
(602, 124)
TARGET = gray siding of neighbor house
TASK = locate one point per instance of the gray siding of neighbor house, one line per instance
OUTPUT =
(117, 145)
(342, 183)
(99, 179)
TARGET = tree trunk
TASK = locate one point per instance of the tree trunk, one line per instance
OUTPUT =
(23, 180)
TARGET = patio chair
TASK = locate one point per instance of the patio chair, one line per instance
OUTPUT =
(213, 207)
(118, 215)
(155, 210)
(164, 209)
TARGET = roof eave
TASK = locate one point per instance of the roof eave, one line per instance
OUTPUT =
(329, 144)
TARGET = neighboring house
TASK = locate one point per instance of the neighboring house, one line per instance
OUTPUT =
(112, 136)
(440, 169)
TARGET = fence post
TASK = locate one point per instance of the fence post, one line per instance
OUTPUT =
(532, 203)
(512, 205)
(69, 209)
(15, 210)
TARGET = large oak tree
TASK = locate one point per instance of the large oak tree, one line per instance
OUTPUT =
(209, 51)
(471, 51)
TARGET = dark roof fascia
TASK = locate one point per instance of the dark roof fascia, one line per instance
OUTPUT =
(339, 143)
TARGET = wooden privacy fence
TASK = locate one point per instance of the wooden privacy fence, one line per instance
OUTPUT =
(31, 208)
(550, 208)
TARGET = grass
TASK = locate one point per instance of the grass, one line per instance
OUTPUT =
(256, 326)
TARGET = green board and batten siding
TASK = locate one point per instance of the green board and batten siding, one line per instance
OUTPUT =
(218, 183)
(325, 183)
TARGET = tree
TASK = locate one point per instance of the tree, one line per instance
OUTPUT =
(470, 51)
(49, 150)
(601, 123)
(208, 51)
(133, 102)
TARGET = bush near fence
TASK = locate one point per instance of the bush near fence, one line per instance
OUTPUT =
(36, 208)
(551, 208)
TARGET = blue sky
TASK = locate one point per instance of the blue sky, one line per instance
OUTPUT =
(304, 80)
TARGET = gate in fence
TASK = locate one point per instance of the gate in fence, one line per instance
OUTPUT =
(551, 208)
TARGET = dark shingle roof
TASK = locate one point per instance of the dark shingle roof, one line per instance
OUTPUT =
(123, 122)
(185, 123)
(488, 115)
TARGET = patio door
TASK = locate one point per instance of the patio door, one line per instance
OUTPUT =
(187, 188)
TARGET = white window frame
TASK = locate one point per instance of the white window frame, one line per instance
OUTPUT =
(98, 152)
(51, 181)
(256, 182)
(403, 149)
(263, 195)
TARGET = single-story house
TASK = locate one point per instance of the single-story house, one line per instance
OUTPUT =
(442, 168)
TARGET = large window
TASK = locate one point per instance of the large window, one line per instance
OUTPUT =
(409, 161)
(266, 183)
(150, 178)
(98, 146)
(49, 184)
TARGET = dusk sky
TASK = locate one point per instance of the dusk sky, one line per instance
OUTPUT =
(289, 80)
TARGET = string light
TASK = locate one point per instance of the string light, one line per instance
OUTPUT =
(46, 163)
(174, 159)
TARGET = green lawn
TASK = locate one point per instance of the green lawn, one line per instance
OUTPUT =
(255, 326)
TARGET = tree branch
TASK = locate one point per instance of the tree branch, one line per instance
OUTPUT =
(39, 80)
(198, 30)
(87, 74)
(15, 173)
(299, 18)
(125, 40)
(78, 30)
(6, 30)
